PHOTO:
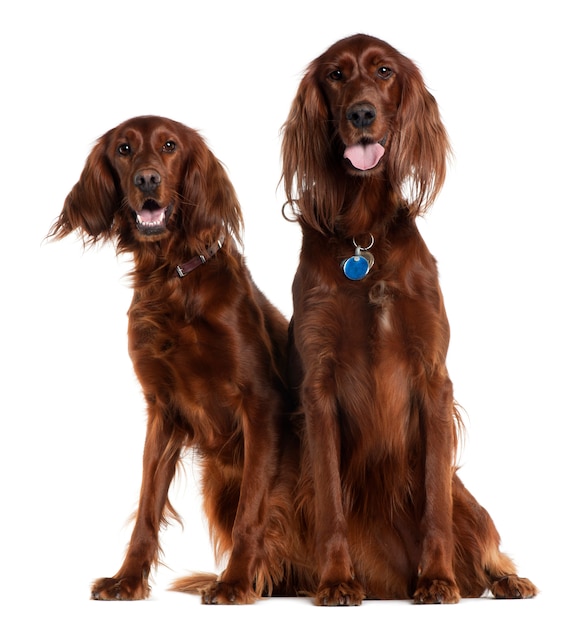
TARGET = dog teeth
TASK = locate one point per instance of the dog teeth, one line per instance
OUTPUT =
(157, 222)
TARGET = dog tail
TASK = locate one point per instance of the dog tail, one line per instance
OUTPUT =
(196, 584)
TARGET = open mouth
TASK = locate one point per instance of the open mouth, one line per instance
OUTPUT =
(151, 219)
(365, 154)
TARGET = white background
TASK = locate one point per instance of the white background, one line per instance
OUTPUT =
(72, 417)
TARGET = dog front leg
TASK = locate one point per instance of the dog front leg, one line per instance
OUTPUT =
(337, 584)
(161, 453)
(436, 579)
(243, 580)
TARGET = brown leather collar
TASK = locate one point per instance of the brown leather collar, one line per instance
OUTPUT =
(185, 268)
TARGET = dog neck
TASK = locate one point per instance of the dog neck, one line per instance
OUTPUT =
(367, 207)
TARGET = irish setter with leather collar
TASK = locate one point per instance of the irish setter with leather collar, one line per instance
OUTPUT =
(208, 348)
(364, 153)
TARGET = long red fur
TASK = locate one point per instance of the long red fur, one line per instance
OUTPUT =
(208, 348)
(387, 515)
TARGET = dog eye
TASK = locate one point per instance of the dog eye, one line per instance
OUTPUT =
(169, 146)
(384, 72)
(124, 149)
(336, 75)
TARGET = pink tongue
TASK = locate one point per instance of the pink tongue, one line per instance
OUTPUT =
(364, 156)
(150, 215)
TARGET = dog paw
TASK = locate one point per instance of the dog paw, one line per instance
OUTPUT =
(513, 587)
(436, 592)
(340, 594)
(126, 588)
(221, 592)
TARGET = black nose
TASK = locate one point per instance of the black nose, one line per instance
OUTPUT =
(361, 115)
(147, 180)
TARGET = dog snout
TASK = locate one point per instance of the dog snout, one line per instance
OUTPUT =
(147, 180)
(361, 114)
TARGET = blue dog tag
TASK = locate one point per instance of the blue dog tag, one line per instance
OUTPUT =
(356, 267)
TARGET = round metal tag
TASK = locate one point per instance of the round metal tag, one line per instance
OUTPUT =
(356, 267)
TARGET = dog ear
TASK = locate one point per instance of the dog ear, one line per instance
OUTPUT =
(211, 206)
(307, 156)
(420, 147)
(91, 204)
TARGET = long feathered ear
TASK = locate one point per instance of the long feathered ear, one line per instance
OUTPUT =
(91, 204)
(307, 156)
(420, 146)
(211, 206)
